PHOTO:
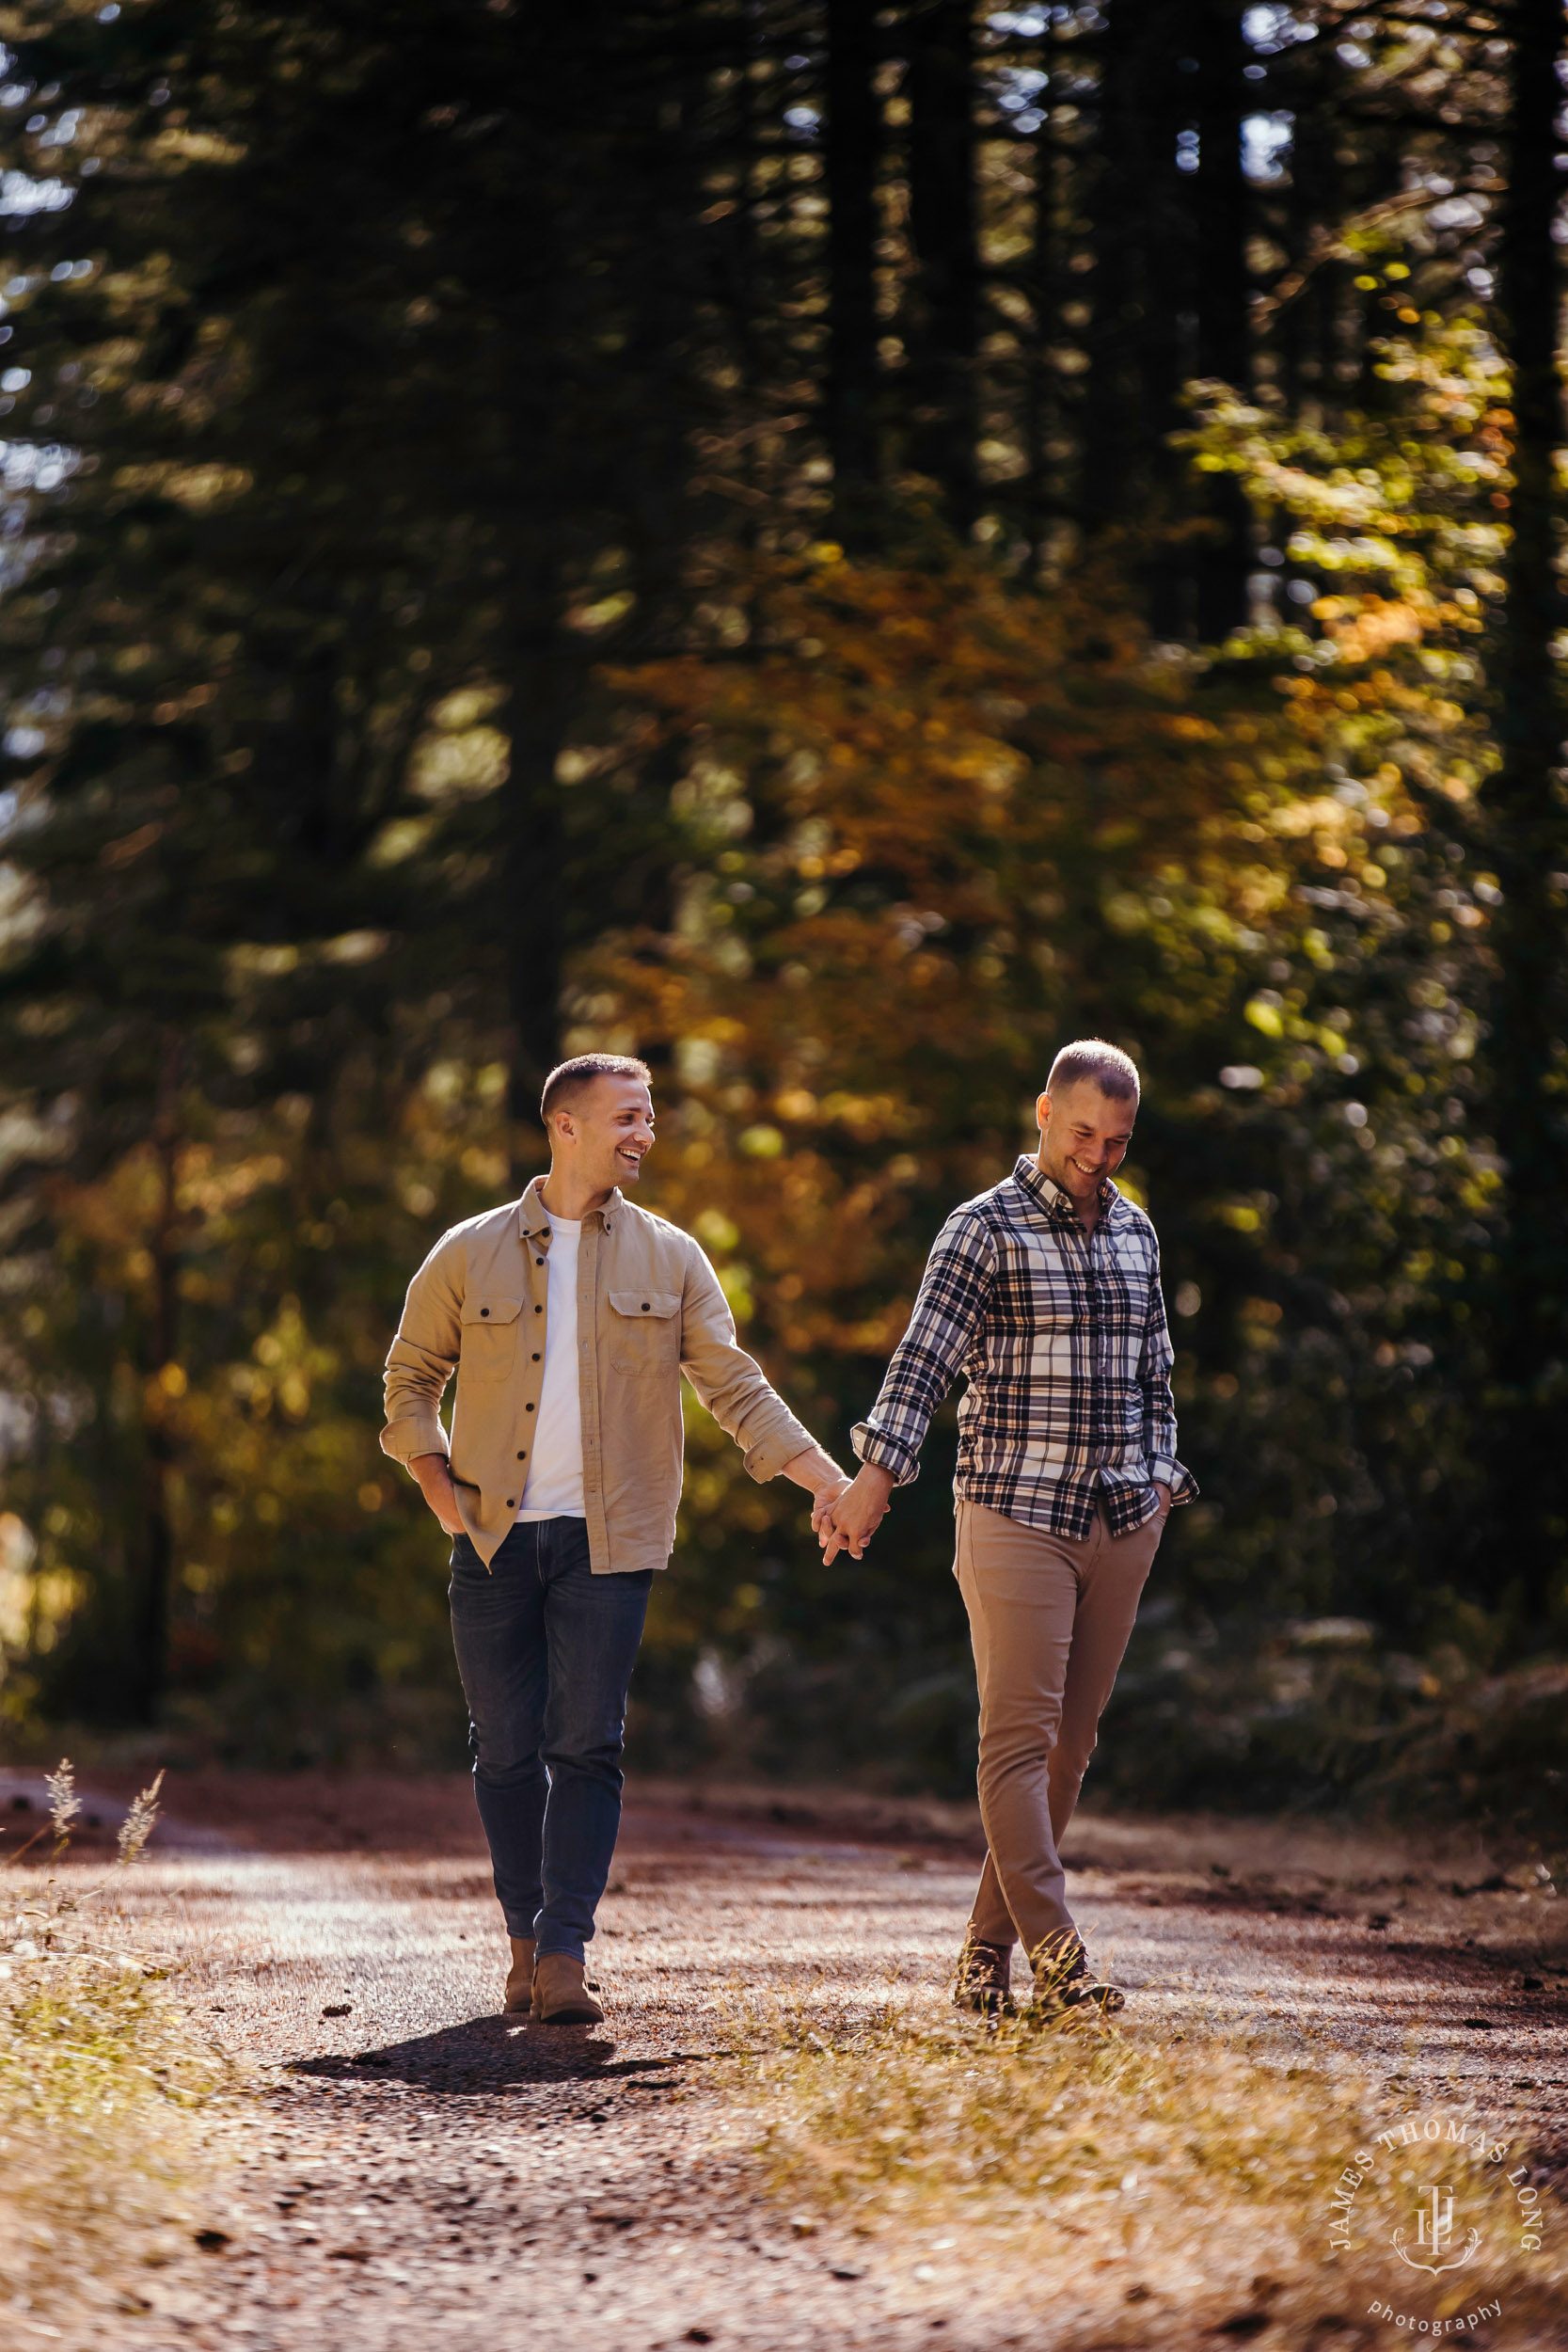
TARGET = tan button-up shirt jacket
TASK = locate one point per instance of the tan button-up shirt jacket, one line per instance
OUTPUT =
(649, 1308)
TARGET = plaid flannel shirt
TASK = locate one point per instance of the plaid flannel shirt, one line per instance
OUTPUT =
(1062, 1339)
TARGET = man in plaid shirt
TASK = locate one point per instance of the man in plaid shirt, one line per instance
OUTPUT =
(1045, 1294)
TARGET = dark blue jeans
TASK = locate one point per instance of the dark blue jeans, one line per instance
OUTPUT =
(545, 1650)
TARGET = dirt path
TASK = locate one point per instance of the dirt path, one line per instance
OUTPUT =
(417, 2171)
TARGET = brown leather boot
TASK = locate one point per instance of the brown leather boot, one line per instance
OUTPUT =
(983, 1981)
(519, 1982)
(561, 1994)
(1063, 1979)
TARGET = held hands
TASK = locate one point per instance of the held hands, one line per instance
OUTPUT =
(823, 1480)
(844, 1511)
(855, 1517)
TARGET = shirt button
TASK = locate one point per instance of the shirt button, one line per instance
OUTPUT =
(539, 1262)
(645, 1305)
(528, 1409)
(536, 1355)
(522, 1457)
(539, 1311)
(485, 1310)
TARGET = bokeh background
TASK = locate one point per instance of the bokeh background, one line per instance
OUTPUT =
(835, 548)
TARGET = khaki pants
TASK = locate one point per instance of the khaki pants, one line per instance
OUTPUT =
(1050, 1617)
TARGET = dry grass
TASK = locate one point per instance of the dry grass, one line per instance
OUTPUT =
(101, 2079)
(1144, 2186)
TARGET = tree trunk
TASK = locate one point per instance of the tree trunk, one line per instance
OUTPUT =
(1314, 203)
(542, 391)
(852, 142)
(1164, 329)
(1041, 421)
(1114, 455)
(1220, 205)
(945, 328)
(1529, 807)
(150, 1602)
(533, 915)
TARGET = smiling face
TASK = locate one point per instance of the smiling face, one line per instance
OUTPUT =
(605, 1133)
(1083, 1137)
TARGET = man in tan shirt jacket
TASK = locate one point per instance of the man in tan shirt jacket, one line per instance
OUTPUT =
(569, 1317)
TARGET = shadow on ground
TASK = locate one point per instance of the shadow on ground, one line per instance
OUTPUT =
(491, 2053)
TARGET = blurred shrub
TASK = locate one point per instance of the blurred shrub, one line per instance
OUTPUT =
(1260, 1713)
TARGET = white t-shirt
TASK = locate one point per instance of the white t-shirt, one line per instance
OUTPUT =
(553, 1487)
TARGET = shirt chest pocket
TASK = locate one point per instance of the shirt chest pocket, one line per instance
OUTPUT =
(644, 1331)
(489, 1337)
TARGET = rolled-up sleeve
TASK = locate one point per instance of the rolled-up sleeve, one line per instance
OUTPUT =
(423, 1356)
(954, 1289)
(732, 1384)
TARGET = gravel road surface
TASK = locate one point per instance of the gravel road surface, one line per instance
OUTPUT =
(414, 2170)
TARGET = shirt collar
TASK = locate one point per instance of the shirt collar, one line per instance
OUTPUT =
(1057, 1204)
(534, 1219)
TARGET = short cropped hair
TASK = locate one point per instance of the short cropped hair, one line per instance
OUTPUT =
(569, 1080)
(1107, 1067)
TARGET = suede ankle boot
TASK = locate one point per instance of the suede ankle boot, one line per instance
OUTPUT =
(561, 1994)
(519, 1981)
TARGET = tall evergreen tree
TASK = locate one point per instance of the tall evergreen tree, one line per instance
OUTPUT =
(1527, 801)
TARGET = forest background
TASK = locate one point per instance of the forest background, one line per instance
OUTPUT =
(832, 546)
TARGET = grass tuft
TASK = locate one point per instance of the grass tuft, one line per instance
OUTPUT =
(101, 2076)
(1081, 2166)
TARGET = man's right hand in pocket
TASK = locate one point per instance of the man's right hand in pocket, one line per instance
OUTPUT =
(433, 1473)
